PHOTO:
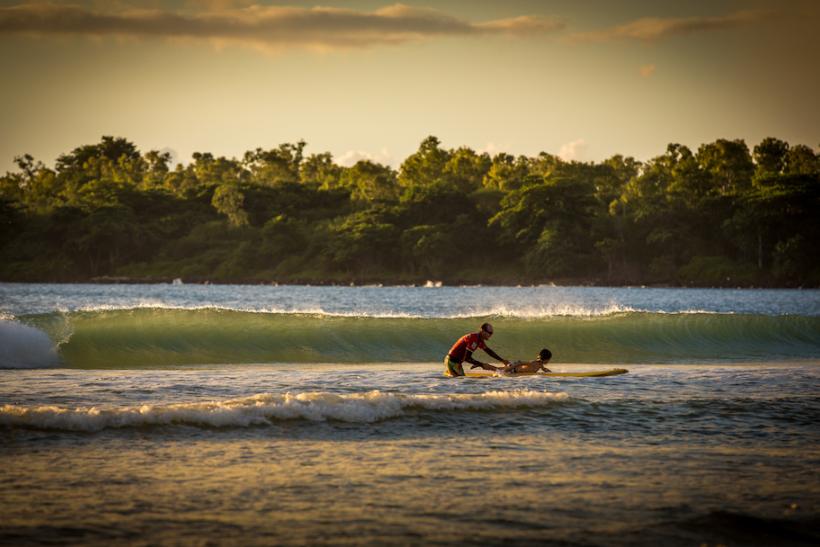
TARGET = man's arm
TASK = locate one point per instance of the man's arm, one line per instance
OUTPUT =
(485, 366)
(495, 356)
(469, 359)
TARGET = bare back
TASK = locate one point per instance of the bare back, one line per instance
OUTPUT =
(524, 366)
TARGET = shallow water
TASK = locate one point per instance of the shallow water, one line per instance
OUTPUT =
(100, 446)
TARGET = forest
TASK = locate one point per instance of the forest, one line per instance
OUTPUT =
(723, 215)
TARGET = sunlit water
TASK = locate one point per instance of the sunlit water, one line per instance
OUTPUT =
(102, 445)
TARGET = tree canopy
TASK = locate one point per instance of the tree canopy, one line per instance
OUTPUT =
(723, 215)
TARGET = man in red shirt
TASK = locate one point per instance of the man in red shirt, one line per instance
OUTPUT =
(463, 350)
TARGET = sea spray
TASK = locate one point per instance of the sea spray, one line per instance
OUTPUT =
(23, 346)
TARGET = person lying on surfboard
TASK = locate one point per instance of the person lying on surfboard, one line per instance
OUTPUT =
(536, 365)
(463, 350)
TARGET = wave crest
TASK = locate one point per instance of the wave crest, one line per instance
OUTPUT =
(539, 312)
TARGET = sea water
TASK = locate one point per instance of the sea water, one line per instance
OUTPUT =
(194, 414)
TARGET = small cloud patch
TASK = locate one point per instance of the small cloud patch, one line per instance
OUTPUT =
(573, 151)
(352, 157)
(647, 70)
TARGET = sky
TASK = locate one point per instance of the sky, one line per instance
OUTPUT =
(370, 80)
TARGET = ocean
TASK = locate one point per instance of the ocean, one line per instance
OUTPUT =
(297, 415)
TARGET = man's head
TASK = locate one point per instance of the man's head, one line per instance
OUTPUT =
(545, 355)
(486, 331)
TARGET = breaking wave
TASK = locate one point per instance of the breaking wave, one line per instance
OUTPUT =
(152, 337)
(266, 409)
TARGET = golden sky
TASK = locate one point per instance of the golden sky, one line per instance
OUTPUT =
(585, 80)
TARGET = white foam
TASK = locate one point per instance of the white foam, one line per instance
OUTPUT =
(554, 310)
(264, 409)
(504, 311)
(318, 311)
(22, 346)
(551, 310)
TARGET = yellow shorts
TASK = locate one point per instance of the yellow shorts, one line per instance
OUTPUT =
(452, 368)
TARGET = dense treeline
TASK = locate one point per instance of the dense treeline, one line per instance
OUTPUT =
(723, 215)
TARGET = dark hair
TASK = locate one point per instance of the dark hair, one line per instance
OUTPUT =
(545, 354)
(486, 327)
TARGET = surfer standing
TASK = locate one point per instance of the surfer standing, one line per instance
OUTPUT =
(463, 350)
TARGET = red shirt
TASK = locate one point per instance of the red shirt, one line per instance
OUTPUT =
(468, 342)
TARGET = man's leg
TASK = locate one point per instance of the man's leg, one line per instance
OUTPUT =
(451, 368)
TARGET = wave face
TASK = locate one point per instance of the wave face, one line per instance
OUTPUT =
(22, 346)
(150, 337)
(265, 409)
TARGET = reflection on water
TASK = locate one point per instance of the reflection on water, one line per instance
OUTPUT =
(251, 486)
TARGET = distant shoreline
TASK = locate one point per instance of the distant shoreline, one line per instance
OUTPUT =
(427, 283)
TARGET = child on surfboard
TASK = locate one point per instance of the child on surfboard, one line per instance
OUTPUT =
(531, 367)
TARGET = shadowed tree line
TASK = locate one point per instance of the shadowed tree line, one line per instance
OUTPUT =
(722, 215)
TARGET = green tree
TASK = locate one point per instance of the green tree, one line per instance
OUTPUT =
(552, 221)
(363, 243)
(156, 169)
(210, 171)
(801, 160)
(465, 169)
(369, 181)
(770, 157)
(183, 182)
(728, 166)
(657, 222)
(229, 200)
(544, 165)
(425, 167)
(275, 166)
(106, 238)
(320, 169)
(430, 249)
(507, 172)
(35, 187)
(285, 243)
(775, 224)
(113, 161)
(110, 148)
(612, 176)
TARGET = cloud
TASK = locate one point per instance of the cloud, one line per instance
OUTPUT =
(525, 24)
(574, 150)
(267, 26)
(647, 70)
(351, 157)
(655, 28)
(216, 5)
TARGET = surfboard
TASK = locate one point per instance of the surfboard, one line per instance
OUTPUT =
(587, 374)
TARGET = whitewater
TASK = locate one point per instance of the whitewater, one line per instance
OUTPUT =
(292, 415)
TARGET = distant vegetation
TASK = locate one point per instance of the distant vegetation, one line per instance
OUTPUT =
(721, 216)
